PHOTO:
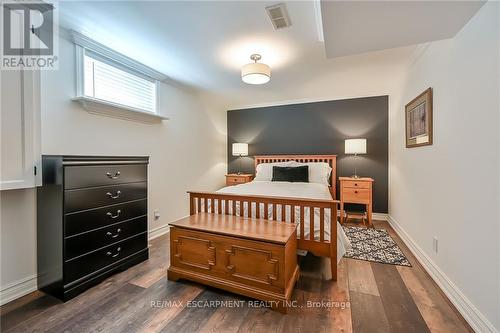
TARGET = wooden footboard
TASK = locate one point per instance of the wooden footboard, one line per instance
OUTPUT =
(292, 210)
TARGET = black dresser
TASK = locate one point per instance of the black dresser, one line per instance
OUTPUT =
(91, 220)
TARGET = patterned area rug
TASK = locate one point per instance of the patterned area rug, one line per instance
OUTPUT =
(374, 245)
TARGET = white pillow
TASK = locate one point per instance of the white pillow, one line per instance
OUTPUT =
(264, 171)
(319, 172)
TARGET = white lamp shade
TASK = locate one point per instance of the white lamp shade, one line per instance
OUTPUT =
(255, 73)
(240, 149)
(355, 146)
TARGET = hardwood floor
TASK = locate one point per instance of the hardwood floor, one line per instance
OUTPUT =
(368, 297)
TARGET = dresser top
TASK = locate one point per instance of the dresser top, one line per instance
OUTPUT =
(91, 160)
(360, 179)
(239, 227)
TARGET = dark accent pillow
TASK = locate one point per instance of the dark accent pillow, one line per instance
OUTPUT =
(291, 174)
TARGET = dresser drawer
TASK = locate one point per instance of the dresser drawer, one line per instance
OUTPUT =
(82, 266)
(101, 175)
(353, 195)
(81, 199)
(93, 240)
(356, 184)
(235, 180)
(76, 223)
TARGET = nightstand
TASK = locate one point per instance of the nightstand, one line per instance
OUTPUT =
(357, 191)
(235, 179)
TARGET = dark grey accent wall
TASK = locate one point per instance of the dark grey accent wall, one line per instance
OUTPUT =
(318, 128)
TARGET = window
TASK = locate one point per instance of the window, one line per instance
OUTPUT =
(110, 83)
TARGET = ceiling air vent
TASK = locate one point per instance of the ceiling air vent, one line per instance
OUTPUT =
(279, 16)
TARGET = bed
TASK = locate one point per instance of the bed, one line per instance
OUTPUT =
(311, 206)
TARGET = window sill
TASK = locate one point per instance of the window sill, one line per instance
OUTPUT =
(108, 109)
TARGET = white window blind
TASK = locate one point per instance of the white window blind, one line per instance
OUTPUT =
(113, 84)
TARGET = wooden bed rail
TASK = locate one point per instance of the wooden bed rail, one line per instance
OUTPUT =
(276, 208)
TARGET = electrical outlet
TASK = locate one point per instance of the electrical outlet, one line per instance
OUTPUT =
(156, 214)
(435, 244)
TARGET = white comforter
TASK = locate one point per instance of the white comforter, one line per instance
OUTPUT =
(293, 190)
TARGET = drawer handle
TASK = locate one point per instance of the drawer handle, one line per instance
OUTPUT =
(118, 212)
(115, 235)
(110, 176)
(355, 184)
(116, 196)
(356, 192)
(109, 253)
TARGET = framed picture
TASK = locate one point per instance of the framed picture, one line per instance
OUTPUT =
(419, 120)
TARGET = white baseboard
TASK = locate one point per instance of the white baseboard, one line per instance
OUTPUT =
(376, 216)
(471, 314)
(380, 216)
(27, 285)
(160, 231)
(17, 289)
(157, 232)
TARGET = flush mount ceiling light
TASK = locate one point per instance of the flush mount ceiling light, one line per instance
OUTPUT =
(255, 73)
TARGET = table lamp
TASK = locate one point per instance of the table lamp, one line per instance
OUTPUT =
(240, 149)
(354, 146)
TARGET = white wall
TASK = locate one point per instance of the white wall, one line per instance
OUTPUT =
(17, 241)
(186, 152)
(450, 190)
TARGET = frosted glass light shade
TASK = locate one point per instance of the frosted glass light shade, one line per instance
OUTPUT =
(255, 73)
(240, 149)
(355, 146)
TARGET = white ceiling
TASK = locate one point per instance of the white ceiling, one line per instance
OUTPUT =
(199, 43)
(203, 45)
(353, 27)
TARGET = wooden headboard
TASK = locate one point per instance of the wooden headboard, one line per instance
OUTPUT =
(330, 159)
